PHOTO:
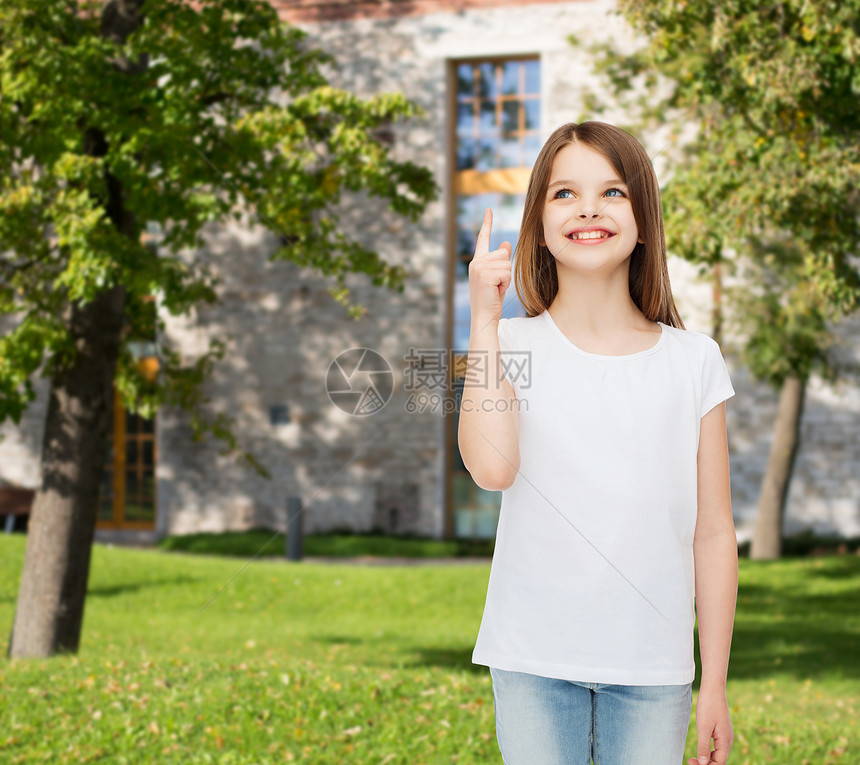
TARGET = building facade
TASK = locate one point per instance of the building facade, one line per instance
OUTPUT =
(494, 79)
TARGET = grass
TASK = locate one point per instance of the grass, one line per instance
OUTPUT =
(202, 659)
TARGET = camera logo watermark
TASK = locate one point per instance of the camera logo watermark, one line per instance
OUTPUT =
(430, 371)
(359, 381)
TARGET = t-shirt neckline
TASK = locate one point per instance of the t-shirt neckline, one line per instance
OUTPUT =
(603, 357)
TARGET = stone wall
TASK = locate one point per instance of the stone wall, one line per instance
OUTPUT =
(282, 330)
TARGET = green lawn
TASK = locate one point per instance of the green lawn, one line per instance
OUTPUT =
(201, 659)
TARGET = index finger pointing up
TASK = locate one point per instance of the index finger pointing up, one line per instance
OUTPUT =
(486, 227)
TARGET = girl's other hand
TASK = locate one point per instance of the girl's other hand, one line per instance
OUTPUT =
(712, 721)
(489, 276)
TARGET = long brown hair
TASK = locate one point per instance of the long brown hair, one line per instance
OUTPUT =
(535, 275)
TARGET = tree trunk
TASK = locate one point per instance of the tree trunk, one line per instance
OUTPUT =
(50, 608)
(767, 539)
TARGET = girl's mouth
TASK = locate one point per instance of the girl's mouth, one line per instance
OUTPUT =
(589, 236)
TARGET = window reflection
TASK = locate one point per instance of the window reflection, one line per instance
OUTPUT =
(507, 214)
(498, 114)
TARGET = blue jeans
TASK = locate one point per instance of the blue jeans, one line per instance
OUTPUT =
(546, 721)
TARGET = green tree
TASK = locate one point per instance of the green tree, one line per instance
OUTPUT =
(764, 194)
(118, 113)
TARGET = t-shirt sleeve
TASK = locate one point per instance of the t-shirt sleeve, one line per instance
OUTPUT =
(716, 384)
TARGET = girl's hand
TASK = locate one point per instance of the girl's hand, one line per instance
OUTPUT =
(489, 276)
(712, 721)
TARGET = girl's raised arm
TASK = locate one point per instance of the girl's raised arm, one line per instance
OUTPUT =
(488, 434)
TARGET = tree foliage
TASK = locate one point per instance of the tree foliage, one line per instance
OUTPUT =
(767, 98)
(204, 112)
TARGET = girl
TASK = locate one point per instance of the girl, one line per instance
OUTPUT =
(606, 434)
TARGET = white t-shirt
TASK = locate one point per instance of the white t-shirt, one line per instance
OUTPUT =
(592, 576)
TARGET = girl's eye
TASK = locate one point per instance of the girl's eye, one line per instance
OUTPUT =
(568, 194)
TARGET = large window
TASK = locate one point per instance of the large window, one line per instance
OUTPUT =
(496, 139)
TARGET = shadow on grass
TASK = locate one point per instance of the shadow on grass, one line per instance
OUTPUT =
(409, 657)
(794, 632)
(784, 629)
(793, 647)
(129, 587)
(121, 589)
(340, 639)
(447, 658)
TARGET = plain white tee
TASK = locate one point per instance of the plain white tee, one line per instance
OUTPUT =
(592, 576)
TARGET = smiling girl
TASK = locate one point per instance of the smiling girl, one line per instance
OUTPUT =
(616, 526)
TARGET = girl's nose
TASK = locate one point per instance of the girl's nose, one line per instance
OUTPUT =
(589, 209)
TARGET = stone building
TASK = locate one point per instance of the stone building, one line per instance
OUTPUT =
(494, 79)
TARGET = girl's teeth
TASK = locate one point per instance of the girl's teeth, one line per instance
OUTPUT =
(590, 235)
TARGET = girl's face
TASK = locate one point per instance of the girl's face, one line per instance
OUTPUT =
(588, 221)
